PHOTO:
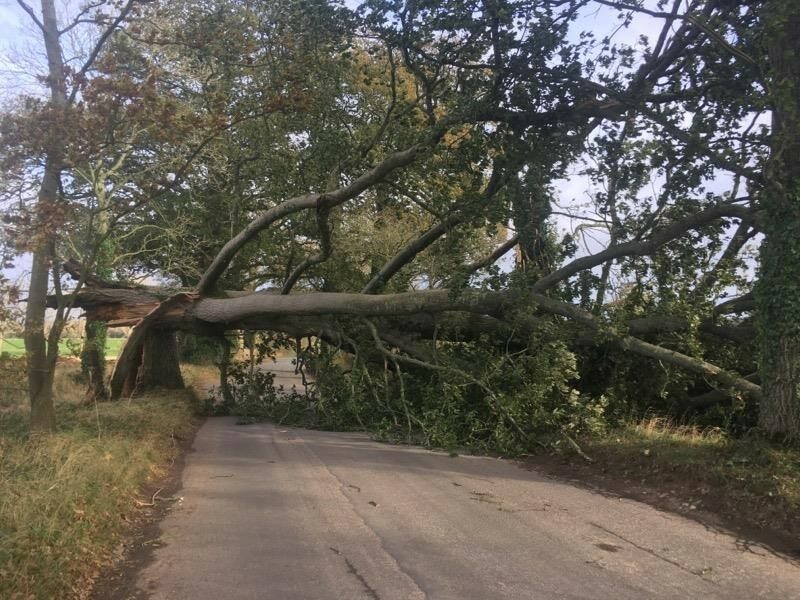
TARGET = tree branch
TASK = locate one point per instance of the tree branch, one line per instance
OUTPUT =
(643, 247)
(743, 234)
(409, 252)
(633, 344)
(316, 258)
(743, 303)
(307, 201)
(121, 16)
(32, 15)
(496, 255)
(413, 248)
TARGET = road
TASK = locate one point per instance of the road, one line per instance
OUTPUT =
(283, 369)
(271, 512)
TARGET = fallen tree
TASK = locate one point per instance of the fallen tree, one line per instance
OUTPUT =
(368, 212)
(315, 314)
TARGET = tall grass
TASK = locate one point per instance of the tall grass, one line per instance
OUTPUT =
(751, 478)
(64, 497)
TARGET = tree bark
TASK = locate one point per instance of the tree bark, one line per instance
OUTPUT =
(93, 357)
(93, 360)
(777, 293)
(40, 377)
(125, 380)
(40, 369)
(159, 366)
(530, 205)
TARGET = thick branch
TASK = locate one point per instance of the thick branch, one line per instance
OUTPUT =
(743, 303)
(409, 252)
(308, 201)
(228, 310)
(717, 396)
(225, 311)
(261, 310)
(643, 348)
(492, 258)
(316, 258)
(643, 247)
(32, 15)
(406, 345)
(743, 234)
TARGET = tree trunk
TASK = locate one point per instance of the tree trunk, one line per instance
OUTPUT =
(40, 377)
(40, 369)
(93, 360)
(777, 293)
(530, 204)
(93, 357)
(160, 366)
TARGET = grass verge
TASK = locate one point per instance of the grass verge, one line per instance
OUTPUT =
(748, 481)
(65, 497)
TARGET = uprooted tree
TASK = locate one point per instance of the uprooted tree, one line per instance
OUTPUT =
(366, 167)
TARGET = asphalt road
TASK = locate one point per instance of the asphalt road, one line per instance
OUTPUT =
(283, 369)
(272, 512)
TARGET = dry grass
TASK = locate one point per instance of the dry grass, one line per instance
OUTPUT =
(64, 497)
(200, 378)
(748, 479)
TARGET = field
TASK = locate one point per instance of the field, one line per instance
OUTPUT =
(15, 347)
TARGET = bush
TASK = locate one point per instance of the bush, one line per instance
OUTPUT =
(198, 349)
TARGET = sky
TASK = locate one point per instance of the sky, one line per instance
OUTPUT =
(11, 34)
(16, 34)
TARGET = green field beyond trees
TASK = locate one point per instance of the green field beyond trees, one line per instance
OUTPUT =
(15, 347)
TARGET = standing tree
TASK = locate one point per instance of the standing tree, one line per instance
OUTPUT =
(778, 288)
(53, 125)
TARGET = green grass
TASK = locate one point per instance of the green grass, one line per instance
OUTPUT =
(751, 479)
(15, 347)
(64, 497)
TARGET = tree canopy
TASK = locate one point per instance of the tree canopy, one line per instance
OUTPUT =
(498, 209)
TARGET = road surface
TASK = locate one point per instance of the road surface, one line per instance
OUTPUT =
(271, 512)
(283, 369)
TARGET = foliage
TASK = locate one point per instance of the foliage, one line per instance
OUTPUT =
(532, 404)
(197, 349)
(203, 123)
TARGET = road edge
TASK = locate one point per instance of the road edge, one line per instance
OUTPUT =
(137, 549)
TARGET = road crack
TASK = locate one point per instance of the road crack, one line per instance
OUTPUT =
(697, 572)
(371, 592)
